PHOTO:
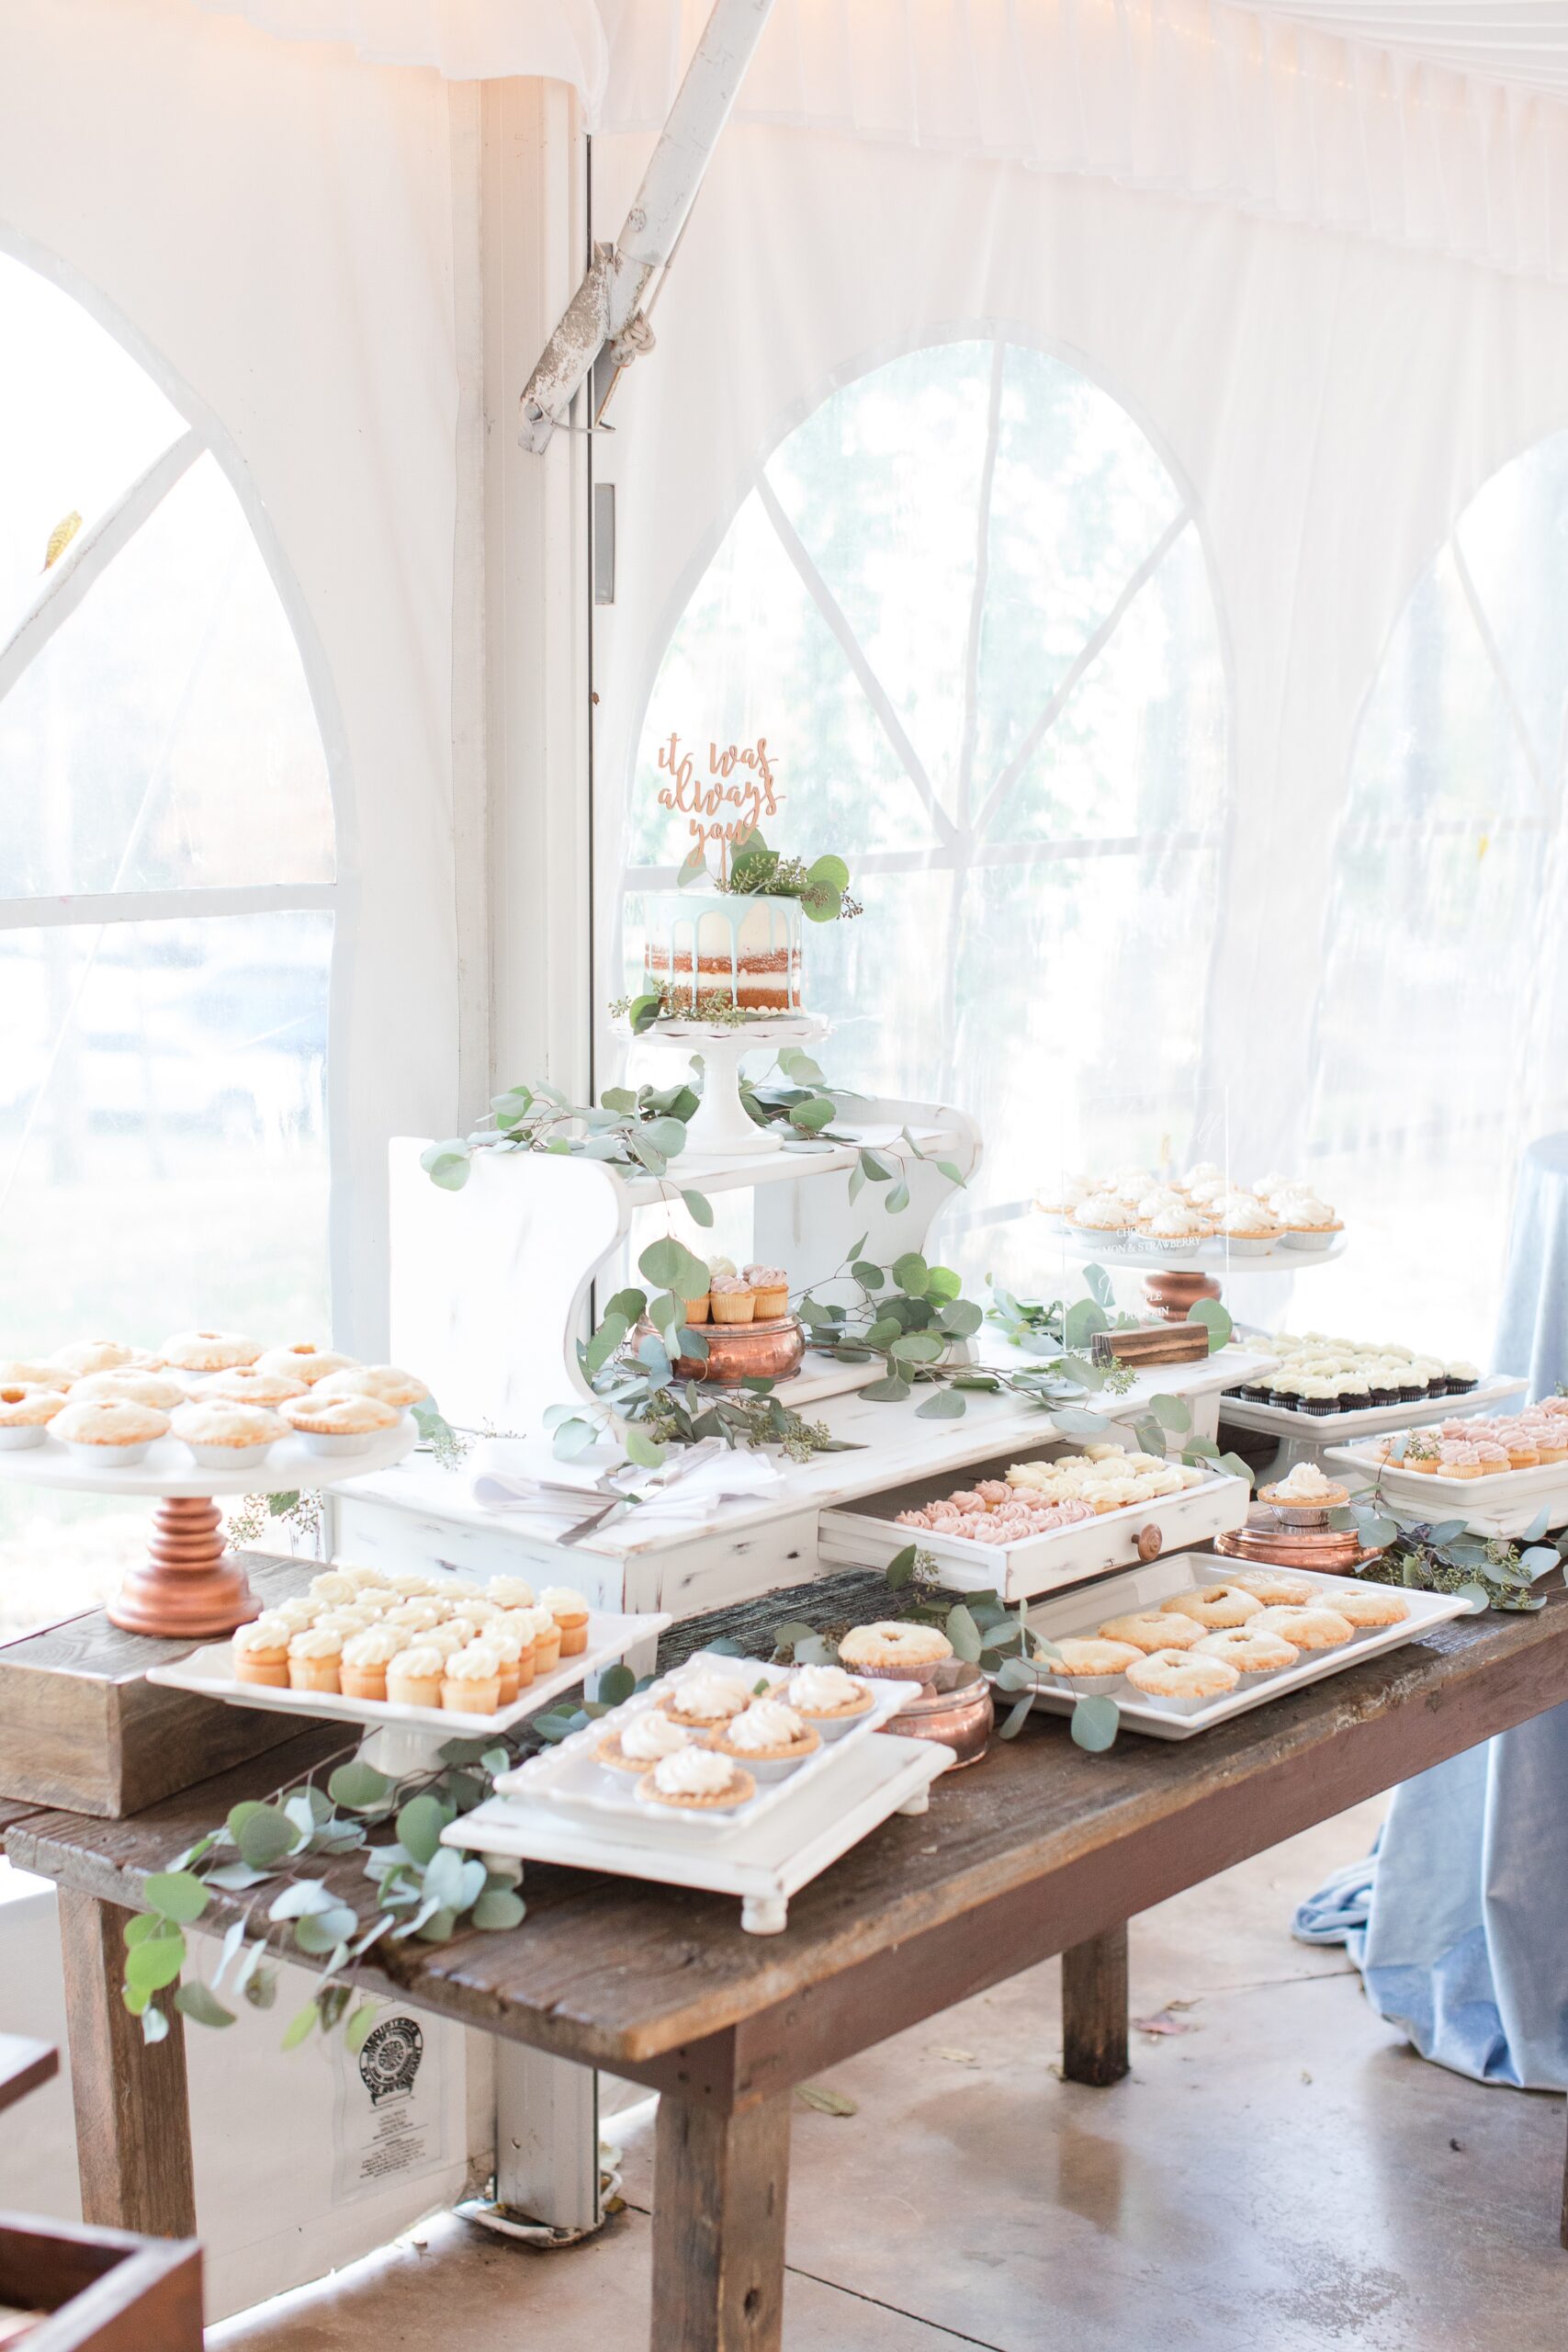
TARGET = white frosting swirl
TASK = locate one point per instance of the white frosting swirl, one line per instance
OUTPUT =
(705, 1698)
(693, 1773)
(651, 1736)
(823, 1689)
(767, 1723)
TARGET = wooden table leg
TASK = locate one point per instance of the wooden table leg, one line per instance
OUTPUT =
(132, 2108)
(1094, 2009)
(720, 2184)
(1563, 2227)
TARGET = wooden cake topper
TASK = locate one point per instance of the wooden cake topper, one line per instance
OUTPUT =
(730, 802)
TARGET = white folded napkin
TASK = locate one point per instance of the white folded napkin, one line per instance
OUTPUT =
(521, 1479)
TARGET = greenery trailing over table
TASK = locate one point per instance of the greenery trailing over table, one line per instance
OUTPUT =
(1443, 1556)
(425, 1890)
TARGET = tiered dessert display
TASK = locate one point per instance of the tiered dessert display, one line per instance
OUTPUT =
(1185, 1232)
(207, 1413)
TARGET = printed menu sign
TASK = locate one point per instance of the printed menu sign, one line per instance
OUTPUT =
(389, 2121)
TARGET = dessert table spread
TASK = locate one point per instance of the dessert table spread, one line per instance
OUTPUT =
(1041, 1849)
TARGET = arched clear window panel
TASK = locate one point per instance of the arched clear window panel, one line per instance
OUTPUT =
(167, 904)
(1434, 1055)
(967, 604)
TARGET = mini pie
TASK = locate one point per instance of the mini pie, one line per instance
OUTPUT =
(1214, 1606)
(222, 1423)
(1309, 1629)
(305, 1362)
(1090, 1655)
(1276, 1589)
(110, 1422)
(340, 1416)
(1155, 1629)
(899, 1651)
(140, 1388)
(1362, 1605)
(93, 1355)
(28, 1404)
(34, 1372)
(382, 1379)
(209, 1351)
(1181, 1674)
(247, 1384)
(1248, 1652)
(771, 1731)
(696, 1780)
(827, 1694)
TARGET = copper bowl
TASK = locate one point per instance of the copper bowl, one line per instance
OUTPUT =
(960, 1716)
(739, 1352)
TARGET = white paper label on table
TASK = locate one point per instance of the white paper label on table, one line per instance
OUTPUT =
(396, 2114)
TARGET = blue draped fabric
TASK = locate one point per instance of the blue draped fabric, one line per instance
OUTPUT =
(1459, 1918)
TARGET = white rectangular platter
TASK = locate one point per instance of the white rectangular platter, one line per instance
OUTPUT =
(765, 1861)
(1503, 1504)
(1161, 1581)
(210, 1671)
(571, 1774)
(1374, 1421)
(865, 1534)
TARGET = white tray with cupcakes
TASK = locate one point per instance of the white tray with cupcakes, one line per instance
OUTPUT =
(1185, 1643)
(1138, 1216)
(437, 1657)
(1499, 1472)
(722, 1740)
(1020, 1525)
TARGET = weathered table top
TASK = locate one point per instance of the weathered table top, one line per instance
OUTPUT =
(1051, 1844)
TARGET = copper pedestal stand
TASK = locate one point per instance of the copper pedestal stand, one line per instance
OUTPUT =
(1173, 1296)
(191, 1584)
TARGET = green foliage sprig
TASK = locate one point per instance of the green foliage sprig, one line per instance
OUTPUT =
(1039, 1326)
(1443, 1556)
(755, 871)
(424, 1891)
(643, 1131)
(299, 1513)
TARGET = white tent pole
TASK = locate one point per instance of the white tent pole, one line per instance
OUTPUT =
(606, 304)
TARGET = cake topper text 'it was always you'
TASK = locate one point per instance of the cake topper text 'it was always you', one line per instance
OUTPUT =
(731, 801)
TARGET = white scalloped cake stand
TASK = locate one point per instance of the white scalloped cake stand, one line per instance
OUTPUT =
(722, 1126)
(190, 1584)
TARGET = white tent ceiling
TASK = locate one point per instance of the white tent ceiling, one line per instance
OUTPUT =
(1522, 42)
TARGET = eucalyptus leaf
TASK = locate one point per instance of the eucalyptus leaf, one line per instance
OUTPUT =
(154, 2024)
(910, 1272)
(942, 1405)
(1095, 1724)
(265, 1837)
(668, 1265)
(322, 1931)
(233, 1939)
(358, 1786)
(196, 2002)
(419, 1826)
(299, 2025)
(699, 1208)
(156, 1962)
(233, 1878)
(356, 2032)
(886, 1392)
(900, 1570)
(176, 1895)
(306, 1894)
(499, 1908)
(645, 1451)
(1479, 1599)
(965, 1634)
(917, 1347)
(961, 1318)
(897, 1199)
(454, 1879)
(1215, 1317)
(573, 1438)
(1016, 1717)
(1172, 1413)
(1016, 1674)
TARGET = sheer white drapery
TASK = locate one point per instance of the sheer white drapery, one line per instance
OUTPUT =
(464, 40)
(1328, 407)
(1293, 114)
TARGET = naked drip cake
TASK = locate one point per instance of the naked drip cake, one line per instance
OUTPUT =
(728, 947)
(704, 944)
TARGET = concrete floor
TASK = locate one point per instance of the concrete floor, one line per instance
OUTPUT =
(1280, 2176)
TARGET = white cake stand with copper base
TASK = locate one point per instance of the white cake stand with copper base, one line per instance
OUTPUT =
(191, 1585)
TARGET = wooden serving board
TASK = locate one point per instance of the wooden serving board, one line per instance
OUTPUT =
(81, 1727)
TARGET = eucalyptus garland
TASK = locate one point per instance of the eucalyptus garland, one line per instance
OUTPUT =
(425, 1890)
(1443, 1556)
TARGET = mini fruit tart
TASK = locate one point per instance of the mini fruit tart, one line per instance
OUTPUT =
(224, 1436)
(382, 1379)
(695, 1779)
(769, 1738)
(305, 1362)
(209, 1351)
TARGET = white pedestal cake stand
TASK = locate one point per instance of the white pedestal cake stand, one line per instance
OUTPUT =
(1174, 1281)
(722, 1126)
(190, 1584)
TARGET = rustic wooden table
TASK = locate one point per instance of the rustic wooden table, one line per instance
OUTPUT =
(1041, 1849)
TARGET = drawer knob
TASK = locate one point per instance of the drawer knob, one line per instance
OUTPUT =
(1149, 1542)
